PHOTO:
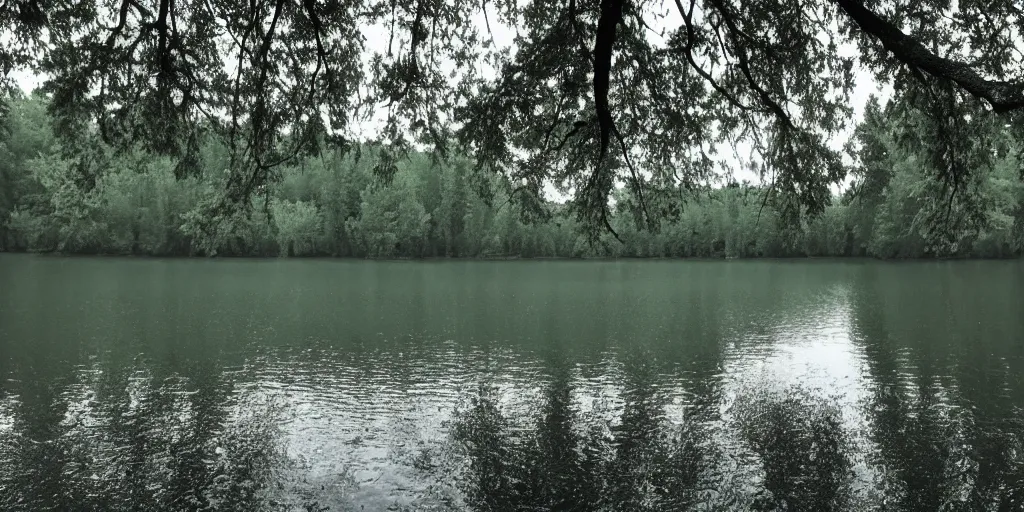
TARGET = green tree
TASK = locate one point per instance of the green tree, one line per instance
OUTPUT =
(591, 96)
(299, 227)
(25, 135)
(391, 221)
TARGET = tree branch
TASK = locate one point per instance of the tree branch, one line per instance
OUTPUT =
(604, 44)
(734, 32)
(688, 52)
(236, 90)
(637, 184)
(1003, 96)
(161, 27)
(321, 52)
(122, 18)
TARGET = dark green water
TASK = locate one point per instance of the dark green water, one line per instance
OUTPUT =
(300, 385)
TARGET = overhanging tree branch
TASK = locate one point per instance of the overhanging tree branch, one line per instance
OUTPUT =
(741, 54)
(688, 53)
(604, 45)
(1002, 95)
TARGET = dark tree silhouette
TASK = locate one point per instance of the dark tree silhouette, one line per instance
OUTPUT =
(278, 79)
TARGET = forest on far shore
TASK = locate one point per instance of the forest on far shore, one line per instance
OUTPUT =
(94, 200)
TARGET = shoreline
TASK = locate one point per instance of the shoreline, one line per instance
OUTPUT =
(437, 259)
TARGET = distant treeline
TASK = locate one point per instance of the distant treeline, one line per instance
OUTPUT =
(99, 201)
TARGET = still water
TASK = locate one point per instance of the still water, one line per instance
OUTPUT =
(133, 384)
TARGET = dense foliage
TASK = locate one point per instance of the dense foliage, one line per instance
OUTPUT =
(587, 96)
(130, 202)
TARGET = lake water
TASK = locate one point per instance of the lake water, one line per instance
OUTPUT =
(135, 384)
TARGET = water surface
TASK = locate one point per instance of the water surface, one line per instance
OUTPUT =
(130, 384)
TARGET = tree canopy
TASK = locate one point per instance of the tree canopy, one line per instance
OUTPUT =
(332, 205)
(590, 94)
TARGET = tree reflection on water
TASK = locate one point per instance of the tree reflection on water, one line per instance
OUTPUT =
(135, 440)
(569, 460)
(201, 439)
